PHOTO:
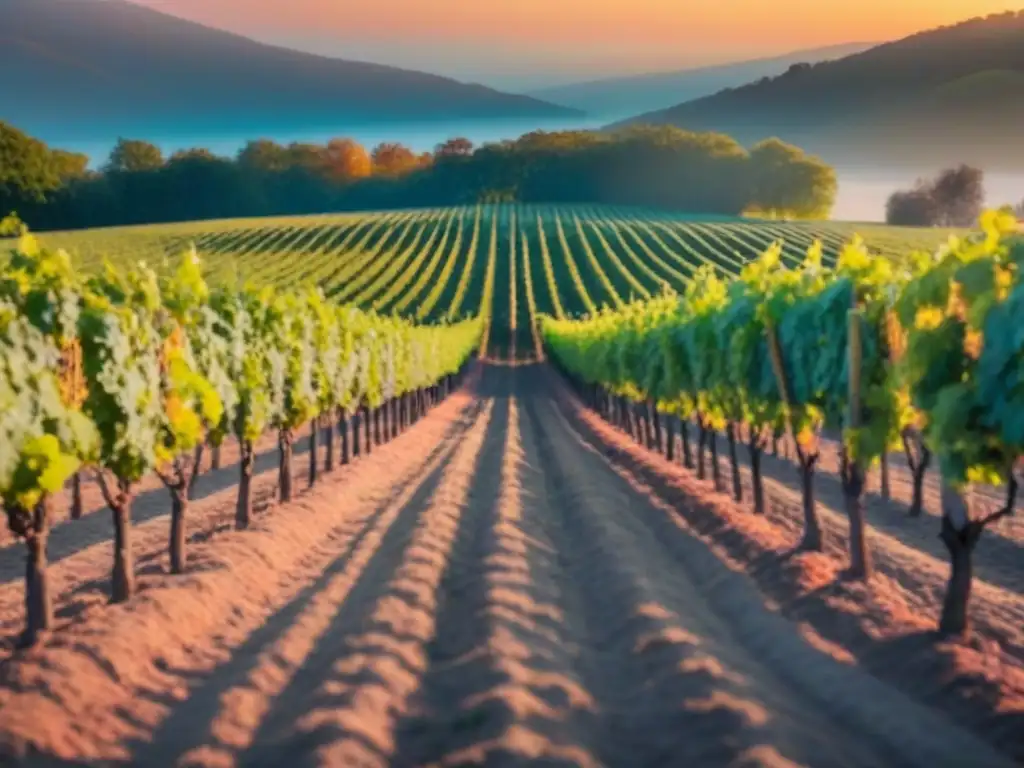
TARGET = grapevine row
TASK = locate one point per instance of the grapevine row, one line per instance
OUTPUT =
(420, 263)
(130, 374)
(927, 353)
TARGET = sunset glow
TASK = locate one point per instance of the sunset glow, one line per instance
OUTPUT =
(571, 37)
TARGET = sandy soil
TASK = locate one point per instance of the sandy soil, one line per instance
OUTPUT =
(511, 582)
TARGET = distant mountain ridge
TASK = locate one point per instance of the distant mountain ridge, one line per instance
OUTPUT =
(618, 97)
(947, 95)
(97, 66)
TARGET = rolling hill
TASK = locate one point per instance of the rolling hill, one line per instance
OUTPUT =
(99, 67)
(618, 97)
(953, 94)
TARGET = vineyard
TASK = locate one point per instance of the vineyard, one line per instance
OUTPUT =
(506, 484)
(431, 265)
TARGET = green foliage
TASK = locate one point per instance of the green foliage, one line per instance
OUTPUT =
(789, 184)
(659, 166)
(240, 323)
(133, 156)
(121, 356)
(43, 439)
(963, 313)
(709, 351)
(12, 226)
(293, 350)
(44, 436)
(29, 172)
(130, 370)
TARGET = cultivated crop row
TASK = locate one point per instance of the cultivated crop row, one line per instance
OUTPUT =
(926, 355)
(128, 373)
(431, 264)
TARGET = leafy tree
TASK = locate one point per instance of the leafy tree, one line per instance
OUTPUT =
(953, 199)
(311, 158)
(193, 154)
(264, 155)
(912, 208)
(69, 166)
(27, 170)
(789, 183)
(962, 361)
(393, 159)
(791, 308)
(292, 363)
(132, 156)
(704, 298)
(455, 147)
(198, 183)
(327, 362)
(840, 359)
(121, 355)
(757, 400)
(655, 166)
(145, 394)
(346, 160)
(959, 194)
(853, 377)
(345, 375)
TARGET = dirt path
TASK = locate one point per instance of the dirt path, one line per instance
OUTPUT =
(906, 550)
(499, 586)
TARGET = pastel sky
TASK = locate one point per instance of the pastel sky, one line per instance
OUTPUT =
(519, 44)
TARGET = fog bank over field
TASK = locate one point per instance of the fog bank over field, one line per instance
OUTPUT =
(863, 191)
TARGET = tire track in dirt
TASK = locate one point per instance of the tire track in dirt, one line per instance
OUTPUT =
(342, 705)
(761, 691)
(504, 687)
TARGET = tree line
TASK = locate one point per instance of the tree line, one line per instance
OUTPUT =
(660, 167)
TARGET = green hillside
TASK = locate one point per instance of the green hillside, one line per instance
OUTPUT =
(516, 260)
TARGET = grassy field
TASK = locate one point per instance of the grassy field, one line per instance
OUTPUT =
(509, 261)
